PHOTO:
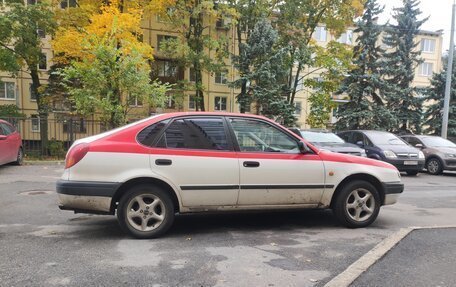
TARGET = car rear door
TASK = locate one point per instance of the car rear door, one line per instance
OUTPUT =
(197, 156)
(272, 169)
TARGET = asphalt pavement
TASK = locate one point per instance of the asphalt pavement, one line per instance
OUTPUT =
(41, 245)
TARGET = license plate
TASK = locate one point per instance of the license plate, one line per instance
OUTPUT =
(411, 162)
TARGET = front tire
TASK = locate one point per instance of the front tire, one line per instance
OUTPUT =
(357, 204)
(434, 166)
(145, 211)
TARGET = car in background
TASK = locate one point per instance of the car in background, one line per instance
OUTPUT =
(10, 144)
(440, 153)
(387, 147)
(205, 162)
(329, 141)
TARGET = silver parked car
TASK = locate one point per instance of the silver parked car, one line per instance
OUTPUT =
(440, 153)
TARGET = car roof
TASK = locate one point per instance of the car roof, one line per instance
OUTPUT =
(221, 114)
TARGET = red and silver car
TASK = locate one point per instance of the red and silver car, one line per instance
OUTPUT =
(10, 144)
(197, 162)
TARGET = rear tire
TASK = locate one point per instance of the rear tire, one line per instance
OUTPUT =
(20, 157)
(145, 211)
(434, 166)
(357, 204)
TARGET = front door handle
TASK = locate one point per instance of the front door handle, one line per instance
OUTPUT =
(163, 162)
(251, 164)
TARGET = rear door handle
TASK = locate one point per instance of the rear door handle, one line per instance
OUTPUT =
(251, 164)
(163, 162)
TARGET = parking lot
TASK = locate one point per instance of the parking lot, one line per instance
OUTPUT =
(43, 246)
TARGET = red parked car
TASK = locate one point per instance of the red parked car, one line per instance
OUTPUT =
(10, 144)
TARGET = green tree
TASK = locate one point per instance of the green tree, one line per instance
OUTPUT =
(197, 45)
(21, 47)
(364, 85)
(400, 64)
(108, 80)
(435, 96)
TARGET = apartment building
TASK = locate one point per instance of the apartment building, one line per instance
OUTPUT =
(218, 95)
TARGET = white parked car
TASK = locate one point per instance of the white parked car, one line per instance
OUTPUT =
(196, 162)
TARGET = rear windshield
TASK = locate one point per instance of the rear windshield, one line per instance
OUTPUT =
(384, 138)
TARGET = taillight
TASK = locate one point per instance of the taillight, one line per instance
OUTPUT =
(76, 154)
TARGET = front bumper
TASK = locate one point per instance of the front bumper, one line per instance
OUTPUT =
(86, 196)
(392, 191)
(399, 164)
(449, 164)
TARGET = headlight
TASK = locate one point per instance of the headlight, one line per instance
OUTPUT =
(420, 155)
(389, 154)
(363, 153)
(450, 155)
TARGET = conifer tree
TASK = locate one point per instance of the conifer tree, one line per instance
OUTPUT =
(400, 64)
(435, 95)
(364, 85)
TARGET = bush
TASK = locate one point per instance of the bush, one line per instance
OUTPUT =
(56, 148)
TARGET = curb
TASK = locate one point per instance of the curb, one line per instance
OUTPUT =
(358, 267)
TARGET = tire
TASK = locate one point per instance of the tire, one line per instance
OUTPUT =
(434, 166)
(145, 211)
(412, 172)
(353, 214)
(20, 157)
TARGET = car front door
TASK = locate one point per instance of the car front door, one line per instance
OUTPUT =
(272, 169)
(197, 156)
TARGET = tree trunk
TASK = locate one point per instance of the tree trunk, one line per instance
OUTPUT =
(42, 111)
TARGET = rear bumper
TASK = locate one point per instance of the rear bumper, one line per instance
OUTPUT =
(86, 196)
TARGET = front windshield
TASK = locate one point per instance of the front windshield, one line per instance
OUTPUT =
(437, 142)
(321, 137)
(384, 138)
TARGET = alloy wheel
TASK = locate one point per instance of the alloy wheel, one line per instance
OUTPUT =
(360, 204)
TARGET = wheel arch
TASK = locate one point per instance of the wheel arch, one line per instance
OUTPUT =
(123, 188)
(360, 176)
(434, 156)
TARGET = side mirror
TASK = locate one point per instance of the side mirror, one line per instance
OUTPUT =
(303, 148)
(420, 146)
(360, 143)
(2, 137)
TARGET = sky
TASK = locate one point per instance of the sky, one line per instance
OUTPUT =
(439, 12)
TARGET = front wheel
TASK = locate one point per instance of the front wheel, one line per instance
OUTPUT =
(357, 204)
(434, 166)
(145, 212)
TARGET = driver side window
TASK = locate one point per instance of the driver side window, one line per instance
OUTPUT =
(257, 136)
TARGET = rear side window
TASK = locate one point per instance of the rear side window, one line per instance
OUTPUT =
(7, 129)
(148, 135)
(195, 133)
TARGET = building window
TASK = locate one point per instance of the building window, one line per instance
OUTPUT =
(41, 33)
(191, 102)
(220, 104)
(35, 123)
(42, 64)
(428, 45)
(298, 108)
(7, 90)
(300, 85)
(134, 101)
(191, 75)
(165, 69)
(161, 39)
(221, 77)
(32, 94)
(67, 3)
(75, 126)
(346, 38)
(320, 34)
(426, 69)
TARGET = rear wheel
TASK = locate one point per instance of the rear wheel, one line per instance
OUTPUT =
(20, 157)
(145, 211)
(357, 204)
(434, 166)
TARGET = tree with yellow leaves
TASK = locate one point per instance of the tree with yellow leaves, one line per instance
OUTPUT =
(107, 64)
